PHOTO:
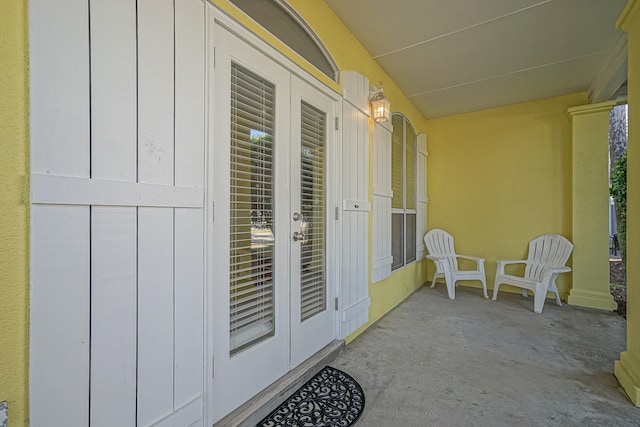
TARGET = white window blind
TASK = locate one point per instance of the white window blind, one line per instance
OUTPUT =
(312, 198)
(403, 180)
(251, 211)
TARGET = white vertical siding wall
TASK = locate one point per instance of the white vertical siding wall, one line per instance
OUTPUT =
(382, 194)
(117, 149)
(422, 199)
(354, 299)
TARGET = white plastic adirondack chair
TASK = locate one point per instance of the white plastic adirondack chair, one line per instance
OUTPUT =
(545, 261)
(441, 251)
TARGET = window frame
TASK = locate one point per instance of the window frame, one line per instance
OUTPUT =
(404, 211)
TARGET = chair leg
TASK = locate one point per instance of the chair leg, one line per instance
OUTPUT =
(554, 289)
(538, 301)
(558, 298)
(433, 282)
(484, 287)
(496, 285)
(539, 296)
(451, 286)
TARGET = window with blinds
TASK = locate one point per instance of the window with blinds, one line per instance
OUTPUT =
(312, 198)
(403, 182)
(252, 314)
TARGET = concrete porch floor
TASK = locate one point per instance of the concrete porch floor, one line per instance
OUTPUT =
(475, 362)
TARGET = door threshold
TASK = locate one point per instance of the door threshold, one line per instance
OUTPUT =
(262, 404)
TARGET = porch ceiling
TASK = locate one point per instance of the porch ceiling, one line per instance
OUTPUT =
(456, 56)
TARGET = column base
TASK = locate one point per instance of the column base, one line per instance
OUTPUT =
(592, 299)
(627, 371)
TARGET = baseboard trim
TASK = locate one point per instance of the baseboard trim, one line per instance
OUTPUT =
(627, 371)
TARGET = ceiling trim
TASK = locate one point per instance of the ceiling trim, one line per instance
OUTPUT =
(612, 75)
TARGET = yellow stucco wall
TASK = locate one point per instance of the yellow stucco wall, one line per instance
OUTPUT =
(627, 369)
(14, 220)
(501, 177)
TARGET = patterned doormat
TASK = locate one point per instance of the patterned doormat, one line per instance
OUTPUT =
(331, 398)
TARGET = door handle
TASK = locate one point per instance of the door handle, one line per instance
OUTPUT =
(299, 237)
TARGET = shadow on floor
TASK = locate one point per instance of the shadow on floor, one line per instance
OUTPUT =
(476, 362)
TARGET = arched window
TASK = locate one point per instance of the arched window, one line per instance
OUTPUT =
(285, 23)
(403, 183)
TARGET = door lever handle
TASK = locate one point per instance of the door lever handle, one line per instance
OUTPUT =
(299, 237)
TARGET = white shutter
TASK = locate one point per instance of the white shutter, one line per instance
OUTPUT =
(382, 194)
(421, 196)
(117, 225)
(354, 298)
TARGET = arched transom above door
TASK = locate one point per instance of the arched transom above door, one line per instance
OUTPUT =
(286, 24)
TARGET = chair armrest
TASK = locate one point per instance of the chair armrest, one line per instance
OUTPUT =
(511, 261)
(564, 269)
(472, 258)
(440, 263)
(502, 262)
(479, 261)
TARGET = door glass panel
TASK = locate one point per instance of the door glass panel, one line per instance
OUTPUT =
(251, 210)
(312, 200)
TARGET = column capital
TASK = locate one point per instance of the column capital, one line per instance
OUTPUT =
(591, 108)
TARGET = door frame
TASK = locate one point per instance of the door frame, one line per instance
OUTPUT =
(215, 16)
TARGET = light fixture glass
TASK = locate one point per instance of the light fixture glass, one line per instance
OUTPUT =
(380, 105)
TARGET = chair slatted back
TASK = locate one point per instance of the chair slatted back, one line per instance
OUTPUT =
(440, 243)
(546, 251)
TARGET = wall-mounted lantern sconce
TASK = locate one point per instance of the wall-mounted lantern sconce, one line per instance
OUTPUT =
(380, 105)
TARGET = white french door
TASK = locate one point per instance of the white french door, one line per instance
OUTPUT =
(270, 269)
(312, 143)
(249, 177)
